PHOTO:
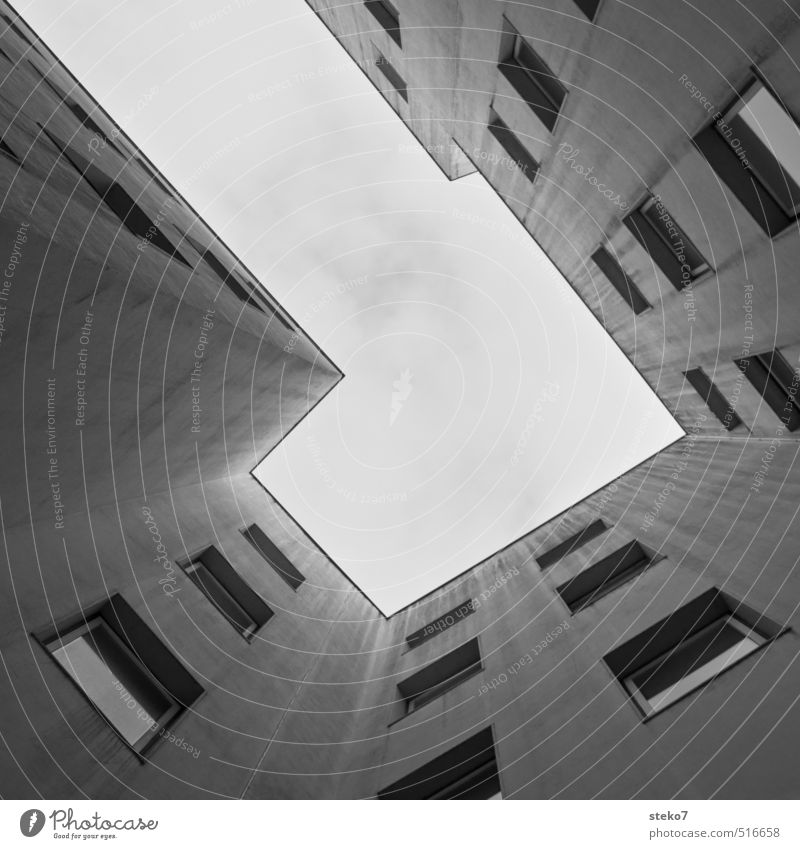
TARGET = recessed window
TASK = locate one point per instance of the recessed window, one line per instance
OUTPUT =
(14, 28)
(517, 152)
(606, 575)
(388, 71)
(274, 556)
(441, 676)
(467, 771)
(777, 382)
(670, 248)
(5, 150)
(227, 277)
(755, 148)
(124, 670)
(227, 591)
(530, 76)
(714, 399)
(117, 199)
(693, 662)
(620, 281)
(688, 649)
(588, 7)
(387, 16)
(441, 623)
(572, 543)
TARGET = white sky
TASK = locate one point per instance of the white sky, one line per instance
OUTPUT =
(517, 405)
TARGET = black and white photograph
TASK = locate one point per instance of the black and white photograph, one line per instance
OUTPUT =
(400, 402)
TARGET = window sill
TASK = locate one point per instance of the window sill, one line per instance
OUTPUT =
(427, 704)
(694, 690)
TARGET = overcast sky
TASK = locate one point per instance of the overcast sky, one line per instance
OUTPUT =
(481, 397)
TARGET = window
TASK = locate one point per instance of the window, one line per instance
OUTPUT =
(620, 281)
(606, 575)
(588, 7)
(467, 771)
(387, 16)
(669, 247)
(755, 149)
(713, 398)
(273, 555)
(688, 649)
(513, 146)
(445, 621)
(442, 675)
(388, 71)
(530, 76)
(124, 207)
(224, 275)
(227, 591)
(573, 543)
(777, 382)
(14, 28)
(5, 150)
(124, 670)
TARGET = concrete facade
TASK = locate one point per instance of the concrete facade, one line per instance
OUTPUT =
(310, 708)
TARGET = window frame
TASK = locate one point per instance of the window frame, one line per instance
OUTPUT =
(759, 169)
(431, 629)
(392, 75)
(192, 568)
(613, 580)
(425, 697)
(696, 271)
(547, 102)
(712, 397)
(457, 765)
(415, 698)
(385, 13)
(64, 636)
(293, 579)
(513, 146)
(644, 703)
(772, 389)
(620, 280)
(189, 567)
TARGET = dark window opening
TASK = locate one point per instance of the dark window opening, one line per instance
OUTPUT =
(620, 281)
(713, 398)
(669, 247)
(517, 151)
(532, 79)
(134, 682)
(228, 592)
(388, 71)
(754, 147)
(441, 676)
(688, 649)
(274, 556)
(603, 577)
(777, 383)
(124, 207)
(227, 277)
(571, 544)
(7, 151)
(467, 771)
(588, 7)
(14, 28)
(387, 16)
(442, 623)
